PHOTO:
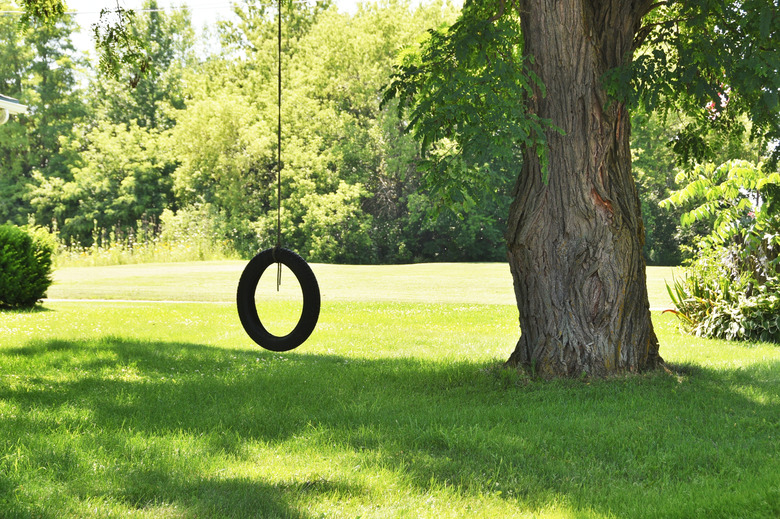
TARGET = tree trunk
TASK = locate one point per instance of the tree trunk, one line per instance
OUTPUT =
(575, 243)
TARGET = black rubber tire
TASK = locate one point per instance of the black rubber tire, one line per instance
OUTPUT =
(245, 297)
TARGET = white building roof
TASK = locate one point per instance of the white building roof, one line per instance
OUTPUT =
(8, 106)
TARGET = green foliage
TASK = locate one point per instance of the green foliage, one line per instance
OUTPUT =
(120, 49)
(715, 62)
(732, 287)
(740, 198)
(122, 175)
(197, 227)
(55, 103)
(37, 66)
(466, 88)
(196, 136)
(654, 168)
(198, 139)
(195, 234)
(46, 11)
(349, 178)
(226, 155)
(656, 164)
(333, 227)
(25, 265)
(156, 87)
(116, 169)
(443, 236)
(709, 303)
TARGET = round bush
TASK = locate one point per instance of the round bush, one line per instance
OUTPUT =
(25, 266)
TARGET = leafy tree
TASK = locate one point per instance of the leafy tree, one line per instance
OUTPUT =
(15, 54)
(558, 81)
(338, 68)
(118, 47)
(56, 104)
(342, 64)
(656, 165)
(226, 161)
(339, 147)
(333, 227)
(39, 69)
(48, 11)
(432, 234)
(226, 138)
(115, 170)
(122, 175)
(168, 41)
(15, 58)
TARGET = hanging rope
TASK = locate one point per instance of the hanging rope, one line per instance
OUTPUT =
(250, 277)
(279, 135)
(279, 146)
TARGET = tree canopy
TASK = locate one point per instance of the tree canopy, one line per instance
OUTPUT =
(466, 167)
(195, 136)
(715, 62)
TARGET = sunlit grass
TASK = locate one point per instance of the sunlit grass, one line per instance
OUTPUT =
(470, 283)
(393, 408)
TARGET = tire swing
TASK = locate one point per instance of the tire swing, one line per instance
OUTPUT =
(247, 285)
(247, 311)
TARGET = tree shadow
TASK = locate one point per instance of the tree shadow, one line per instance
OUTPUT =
(37, 309)
(469, 426)
(212, 497)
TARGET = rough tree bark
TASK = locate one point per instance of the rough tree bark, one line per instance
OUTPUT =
(575, 243)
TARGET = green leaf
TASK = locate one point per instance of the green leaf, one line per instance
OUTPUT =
(470, 86)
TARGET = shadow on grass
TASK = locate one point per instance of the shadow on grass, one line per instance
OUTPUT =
(37, 309)
(164, 417)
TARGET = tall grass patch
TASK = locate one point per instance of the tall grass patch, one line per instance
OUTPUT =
(188, 235)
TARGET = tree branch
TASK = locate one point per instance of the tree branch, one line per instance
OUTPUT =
(501, 9)
(650, 8)
(644, 31)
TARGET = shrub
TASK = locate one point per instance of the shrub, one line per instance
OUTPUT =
(710, 303)
(732, 288)
(25, 266)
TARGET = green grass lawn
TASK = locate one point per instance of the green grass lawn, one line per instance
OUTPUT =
(482, 283)
(396, 407)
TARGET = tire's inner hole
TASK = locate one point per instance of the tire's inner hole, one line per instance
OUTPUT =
(279, 311)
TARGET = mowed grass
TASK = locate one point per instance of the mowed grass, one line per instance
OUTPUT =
(472, 283)
(396, 407)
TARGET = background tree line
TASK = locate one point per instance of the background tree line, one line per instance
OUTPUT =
(187, 145)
